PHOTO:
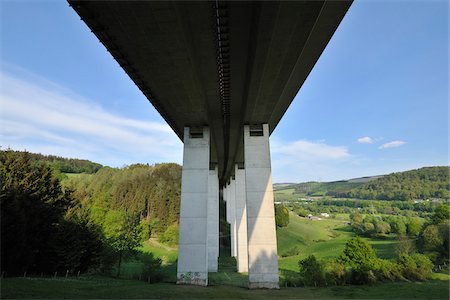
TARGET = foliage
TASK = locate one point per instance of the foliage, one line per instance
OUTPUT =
(281, 215)
(422, 183)
(405, 245)
(291, 252)
(170, 236)
(361, 257)
(434, 238)
(151, 270)
(416, 266)
(61, 164)
(122, 231)
(312, 271)
(440, 214)
(150, 192)
(37, 236)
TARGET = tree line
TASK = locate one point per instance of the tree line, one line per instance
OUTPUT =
(62, 164)
(424, 183)
(89, 222)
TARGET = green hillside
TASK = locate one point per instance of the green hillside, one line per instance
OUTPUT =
(424, 183)
(324, 238)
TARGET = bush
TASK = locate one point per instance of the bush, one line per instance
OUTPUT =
(362, 259)
(389, 271)
(170, 236)
(281, 216)
(291, 252)
(312, 271)
(336, 272)
(416, 266)
(151, 271)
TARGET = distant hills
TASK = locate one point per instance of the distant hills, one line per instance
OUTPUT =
(423, 183)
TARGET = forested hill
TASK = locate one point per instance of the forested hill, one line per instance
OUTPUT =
(423, 183)
(151, 192)
(64, 165)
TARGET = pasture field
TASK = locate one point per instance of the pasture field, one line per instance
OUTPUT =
(324, 238)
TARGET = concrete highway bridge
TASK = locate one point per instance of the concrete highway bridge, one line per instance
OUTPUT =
(222, 74)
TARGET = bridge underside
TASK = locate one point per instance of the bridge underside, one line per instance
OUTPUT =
(222, 74)
(221, 64)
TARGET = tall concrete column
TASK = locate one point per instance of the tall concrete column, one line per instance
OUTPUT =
(192, 243)
(232, 208)
(213, 220)
(262, 240)
(241, 221)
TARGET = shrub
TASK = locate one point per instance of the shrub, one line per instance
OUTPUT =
(312, 271)
(389, 271)
(291, 252)
(416, 266)
(336, 272)
(151, 270)
(362, 259)
(170, 236)
(281, 216)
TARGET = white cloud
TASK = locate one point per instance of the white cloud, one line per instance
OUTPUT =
(392, 144)
(365, 140)
(42, 116)
(311, 150)
(308, 160)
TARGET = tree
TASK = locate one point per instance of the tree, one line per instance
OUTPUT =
(414, 226)
(431, 239)
(416, 266)
(361, 257)
(312, 271)
(397, 225)
(281, 216)
(405, 245)
(36, 236)
(122, 232)
(441, 214)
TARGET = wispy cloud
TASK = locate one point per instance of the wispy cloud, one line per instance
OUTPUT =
(392, 144)
(311, 150)
(365, 140)
(41, 116)
(304, 160)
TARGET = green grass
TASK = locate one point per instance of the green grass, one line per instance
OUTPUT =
(107, 288)
(132, 267)
(324, 238)
(285, 192)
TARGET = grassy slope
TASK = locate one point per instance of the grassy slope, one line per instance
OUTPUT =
(325, 239)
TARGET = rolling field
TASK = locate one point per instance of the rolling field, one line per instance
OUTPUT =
(323, 238)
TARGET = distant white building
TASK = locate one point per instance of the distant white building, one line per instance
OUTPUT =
(313, 218)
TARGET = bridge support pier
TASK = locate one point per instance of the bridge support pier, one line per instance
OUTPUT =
(193, 239)
(262, 240)
(213, 219)
(241, 221)
(232, 200)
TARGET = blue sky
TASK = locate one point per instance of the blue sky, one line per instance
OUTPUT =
(376, 101)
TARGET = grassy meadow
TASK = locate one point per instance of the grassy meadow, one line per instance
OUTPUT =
(324, 238)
